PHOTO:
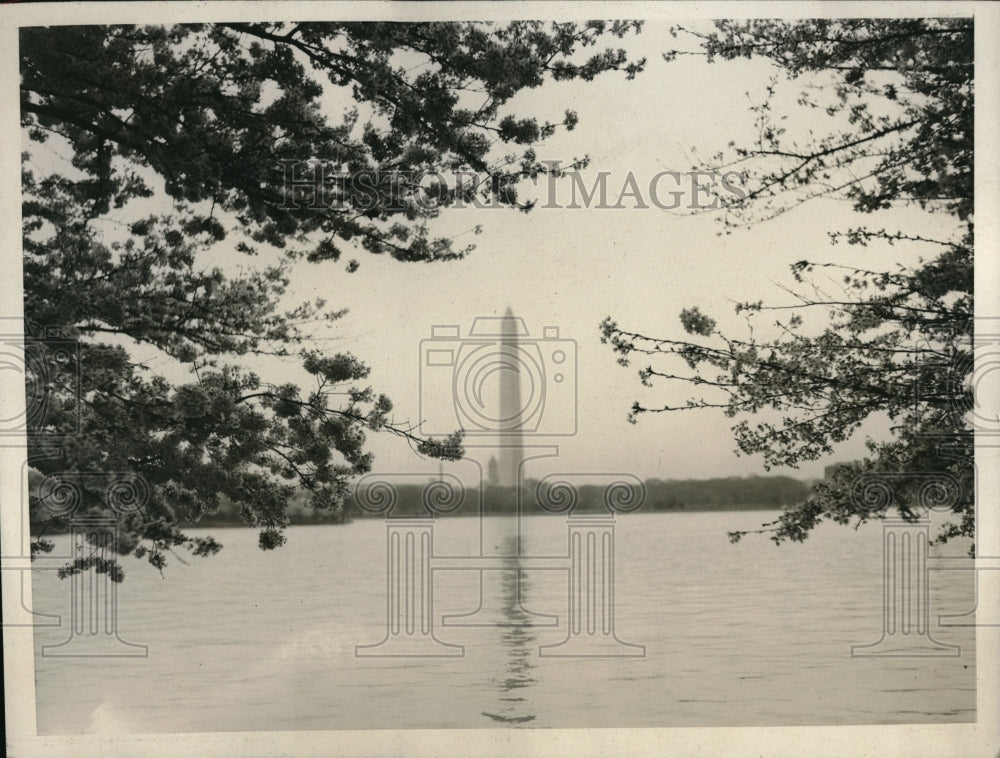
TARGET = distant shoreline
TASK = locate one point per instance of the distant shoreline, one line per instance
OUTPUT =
(350, 518)
(375, 516)
(731, 494)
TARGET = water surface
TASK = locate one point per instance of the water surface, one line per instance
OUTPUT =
(734, 635)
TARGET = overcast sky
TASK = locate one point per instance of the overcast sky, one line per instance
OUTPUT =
(570, 267)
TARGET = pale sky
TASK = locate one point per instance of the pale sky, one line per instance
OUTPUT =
(571, 267)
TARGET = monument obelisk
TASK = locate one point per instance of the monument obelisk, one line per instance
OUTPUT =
(512, 442)
(499, 530)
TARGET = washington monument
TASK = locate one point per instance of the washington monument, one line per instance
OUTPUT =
(511, 453)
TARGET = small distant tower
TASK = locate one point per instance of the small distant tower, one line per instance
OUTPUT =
(493, 472)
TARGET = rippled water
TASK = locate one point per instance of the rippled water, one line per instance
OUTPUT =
(746, 634)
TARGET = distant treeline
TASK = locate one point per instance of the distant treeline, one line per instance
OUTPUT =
(732, 493)
(725, 494)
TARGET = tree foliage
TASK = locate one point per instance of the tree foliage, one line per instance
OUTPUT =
(897, 98)
(150, 148)
(897, 95)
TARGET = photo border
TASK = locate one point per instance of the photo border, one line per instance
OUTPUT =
(960, 740)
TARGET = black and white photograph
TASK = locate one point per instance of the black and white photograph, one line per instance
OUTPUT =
(391, 378)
